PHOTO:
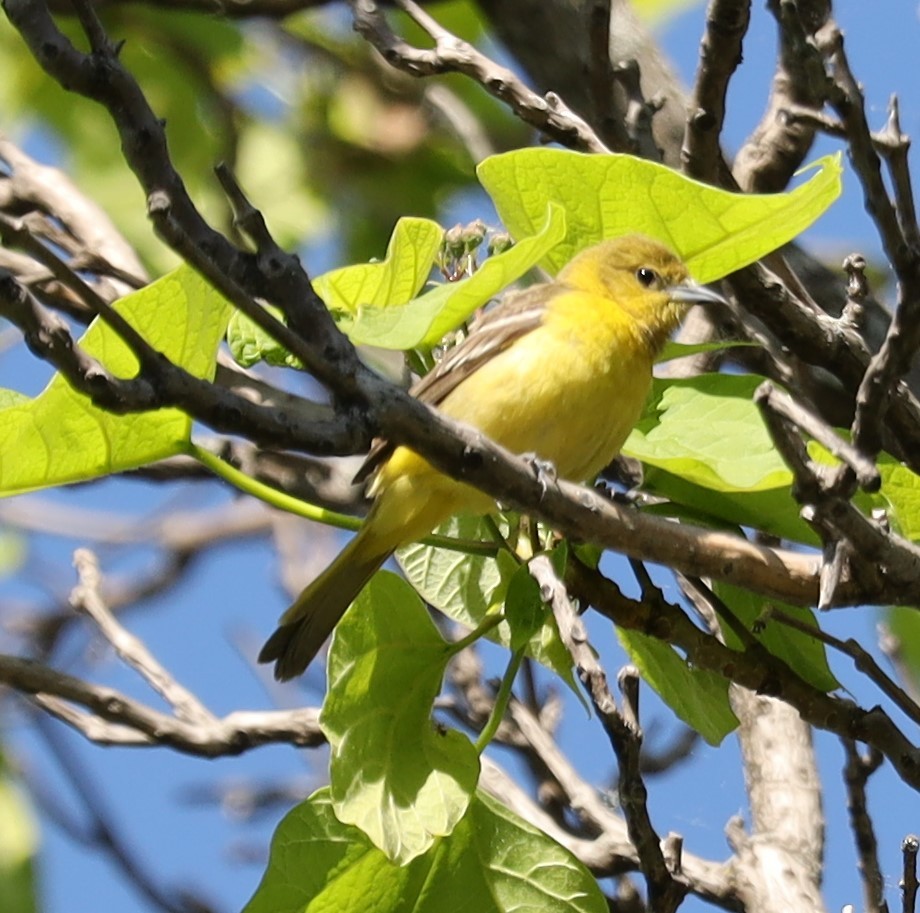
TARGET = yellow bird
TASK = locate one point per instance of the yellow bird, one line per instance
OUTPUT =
(561, 370)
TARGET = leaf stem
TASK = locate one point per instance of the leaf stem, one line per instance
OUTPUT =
(278, 499)
(271, 496)
(486, 625)
(501, 701)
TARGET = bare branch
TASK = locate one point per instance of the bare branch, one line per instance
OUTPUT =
(450, 54)
(777, 148)
(862, 659)
(755, 669)
(230, 735)
(909, 883)
(101, 832)
(720, 54)
(857, 771)
(665, 890)
(86, 597)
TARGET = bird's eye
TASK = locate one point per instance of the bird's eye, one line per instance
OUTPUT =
(647, 277)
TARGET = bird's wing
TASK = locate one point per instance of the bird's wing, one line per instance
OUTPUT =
(494, 331)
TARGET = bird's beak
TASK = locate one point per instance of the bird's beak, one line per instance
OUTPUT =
(694, 294)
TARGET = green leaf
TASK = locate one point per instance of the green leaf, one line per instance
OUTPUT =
(708, 429)
(705, 446)
(394, 774)
(697, 696)
(900, 494)
(425, 320)
(807, 656)
(466, 587)
(249, 343)
(14, 549)
(382, 285)
(387, 283)
(714, 231)
(176, 56)
(493, 862)
(12, 398)
(525, 610)
(60, 437)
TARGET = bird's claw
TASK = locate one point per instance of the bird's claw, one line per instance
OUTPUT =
(544, 471)
(630, 498)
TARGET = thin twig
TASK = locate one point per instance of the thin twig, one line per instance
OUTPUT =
(87, 597)
(909, 884)
(755, 668)
(862, 659)
(856, 773)
(230, 735)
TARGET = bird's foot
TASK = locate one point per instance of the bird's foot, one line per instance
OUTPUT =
(544, 471)
(630, 498)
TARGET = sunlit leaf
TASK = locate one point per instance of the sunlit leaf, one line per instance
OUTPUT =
(659, 11)
(425, 320)
(18, 849)
(900, 493)
(466, 587)
(714, 231)
(394, 773)
(61, 437)
(493, 862)
(380, 286)
(705, 445)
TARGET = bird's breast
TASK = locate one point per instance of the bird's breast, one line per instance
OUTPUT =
(570, 397)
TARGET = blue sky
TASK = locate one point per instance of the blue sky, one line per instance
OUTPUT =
(207, 631)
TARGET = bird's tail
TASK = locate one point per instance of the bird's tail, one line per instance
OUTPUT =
(305, 626)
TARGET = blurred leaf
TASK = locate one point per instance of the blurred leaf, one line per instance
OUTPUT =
(697, 696)
(369, 180)
(459, 17)
(60, 437)
(269, 166)
(493, 862)
(714, 231)
(184, 63)
(425, 320)
(657, 12)
(394, 774)
(14, 549)
(673, 350)
(904, 626)
(18, 849)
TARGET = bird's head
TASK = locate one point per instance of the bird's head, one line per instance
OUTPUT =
(641, 277)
